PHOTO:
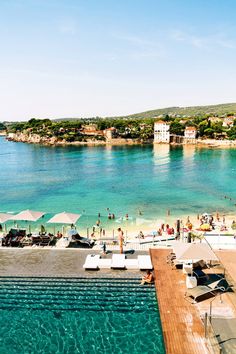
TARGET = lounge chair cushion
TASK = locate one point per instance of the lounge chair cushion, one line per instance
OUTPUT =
(104, 263)
(118, 261)
(131, 264)
(91, 261)
(144, 262)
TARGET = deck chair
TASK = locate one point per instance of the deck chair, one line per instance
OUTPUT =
(144, 262)
(118, 261)
(91, 261)
(200, 275)
(131, 263)
(192, 295)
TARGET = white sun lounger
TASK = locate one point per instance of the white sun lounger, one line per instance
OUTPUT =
(144, 262)
(104, 263)
(91, 261)
(118, 261)
(131, 264)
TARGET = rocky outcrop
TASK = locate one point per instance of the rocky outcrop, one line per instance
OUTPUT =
(44, 140)
(34, 139)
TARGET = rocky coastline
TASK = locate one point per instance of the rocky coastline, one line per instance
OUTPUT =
(54, 141)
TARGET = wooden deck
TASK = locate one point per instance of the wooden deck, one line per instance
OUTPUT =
(182, 327)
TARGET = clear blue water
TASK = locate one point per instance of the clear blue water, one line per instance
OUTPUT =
(126, 179)
(78, 316)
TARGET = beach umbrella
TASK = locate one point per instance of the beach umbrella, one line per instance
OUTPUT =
(28, 215)
(64, 218)
(194, 251)
(5, 217)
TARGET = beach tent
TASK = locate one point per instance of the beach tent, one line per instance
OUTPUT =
(64, 218)
(28, 215)
(194, 251)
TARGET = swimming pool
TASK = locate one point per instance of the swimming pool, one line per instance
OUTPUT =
(79, 315)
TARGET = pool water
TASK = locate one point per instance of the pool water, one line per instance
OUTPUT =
(80, 315)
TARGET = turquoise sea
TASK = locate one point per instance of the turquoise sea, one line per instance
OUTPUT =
(141, 181)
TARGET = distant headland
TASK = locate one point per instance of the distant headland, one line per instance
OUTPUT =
(211, 125)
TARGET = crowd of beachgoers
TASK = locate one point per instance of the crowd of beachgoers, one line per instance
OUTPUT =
(191, 227)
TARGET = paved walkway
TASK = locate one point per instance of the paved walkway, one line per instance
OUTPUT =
(52, 262)
(182, 327)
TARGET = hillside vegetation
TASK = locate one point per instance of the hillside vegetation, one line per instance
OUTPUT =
(219, 110)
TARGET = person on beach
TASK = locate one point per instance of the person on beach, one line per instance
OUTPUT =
(59, 234)
(121, 239)
(140, 235)
(148, 278)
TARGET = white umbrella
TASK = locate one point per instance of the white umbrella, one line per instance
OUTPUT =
(28, 215)
(194, 251)
(5, 217)
(64, 218)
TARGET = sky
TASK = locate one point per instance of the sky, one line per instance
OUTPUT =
(85, 58)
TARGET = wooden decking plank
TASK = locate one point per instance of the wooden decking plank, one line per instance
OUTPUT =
(182, 327)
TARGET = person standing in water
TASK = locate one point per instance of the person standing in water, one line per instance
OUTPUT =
(121, 239)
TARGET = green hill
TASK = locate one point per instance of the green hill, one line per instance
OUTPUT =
(219, 109)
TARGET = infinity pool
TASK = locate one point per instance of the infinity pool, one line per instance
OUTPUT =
(48, 315)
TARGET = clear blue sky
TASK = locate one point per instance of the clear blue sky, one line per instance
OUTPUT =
(73, 58)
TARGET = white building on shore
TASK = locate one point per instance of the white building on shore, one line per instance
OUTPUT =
(161, 132)
(190, 132)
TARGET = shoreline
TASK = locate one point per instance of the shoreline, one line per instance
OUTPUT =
(36, 139)
(131, 230)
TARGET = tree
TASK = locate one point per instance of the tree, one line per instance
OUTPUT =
(2, 126)
(176, 128)
(203, 126)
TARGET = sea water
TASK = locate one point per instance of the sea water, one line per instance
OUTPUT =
(145, 182)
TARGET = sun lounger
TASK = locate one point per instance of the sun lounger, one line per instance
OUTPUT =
(118, 261)
(91, 261)
(131, 263)
(144, 262)
(104, 263)
(195, 293)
